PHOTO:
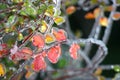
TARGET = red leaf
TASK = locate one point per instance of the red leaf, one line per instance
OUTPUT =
(73, 50)
(3, 49)
(60, 34)
(24, 53)
(38, 63)
(54, 54)
(38, 41)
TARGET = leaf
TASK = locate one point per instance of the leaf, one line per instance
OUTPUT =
(2, 70)
(42, 8)
(73, 50)
(38, 63)
(49, 38)
(17, 1)
(89, 16)
(109, 8)
(116, 16)
(26, 50)
(70, 10)
(59, 34)
(59, 20)
(44, 27)
(29, 74)
(50, 11)
(3, 49)
(103, 21)
(38, 41)
(117, 68)
(96, 12)
(24, 53)
(54, 54)
(20, 36)
(57, 12)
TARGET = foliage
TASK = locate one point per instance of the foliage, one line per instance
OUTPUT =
(35, 37)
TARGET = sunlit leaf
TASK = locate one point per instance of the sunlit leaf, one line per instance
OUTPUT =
(2, 70)
(59, 20)
(49, 38)
(54, 53)
(89, 15)
(116, 16)
(59, 34)
(74, 50)
(38, 63)
(70, 9)
(103, 21)
(43, 27)
(38, 41)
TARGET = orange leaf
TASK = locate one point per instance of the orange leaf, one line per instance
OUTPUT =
(59, 34)
(70, 9)
(2, 70)
(96, 12)
(54, 54)
(116, 16)
(89, 16)
(73, 50)
(103, 21)
(38, 41)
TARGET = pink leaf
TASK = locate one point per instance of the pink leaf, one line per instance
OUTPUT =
(73, 50)
(54, 54)
(38, 41)
(38, 63)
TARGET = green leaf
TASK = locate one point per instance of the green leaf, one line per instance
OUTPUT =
(11, 20)
(42, 8)
(3, 6)
(31, 11)
(117, 68)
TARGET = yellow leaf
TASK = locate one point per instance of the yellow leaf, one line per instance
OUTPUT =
(28, 74)
(44, 27)
(2, 70)
(49, 38)
(59, 20)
